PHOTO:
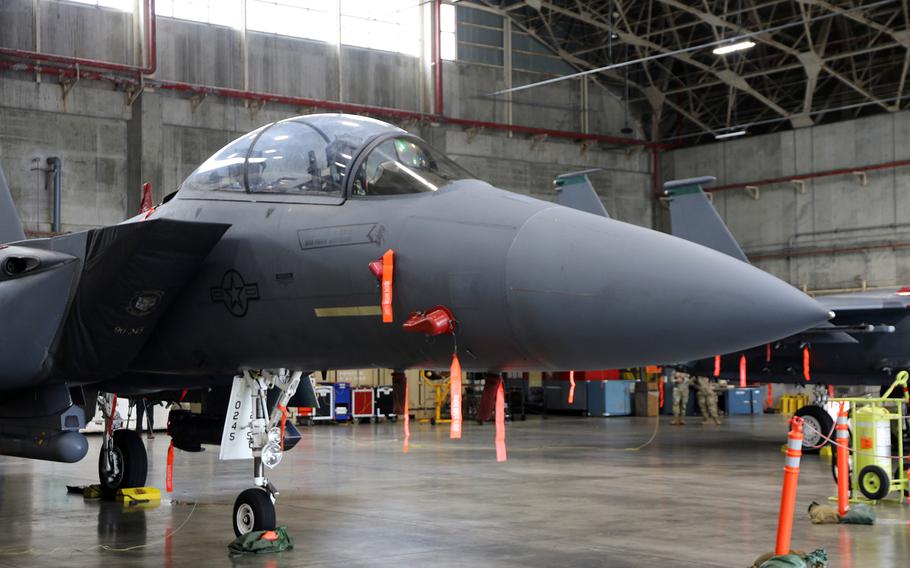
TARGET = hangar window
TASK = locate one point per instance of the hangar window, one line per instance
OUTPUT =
(447, 40)
(218, 12)
(310, 19)
(390, 25)
(528, 54)
(405, 165)
(479, 36)
(124, 5)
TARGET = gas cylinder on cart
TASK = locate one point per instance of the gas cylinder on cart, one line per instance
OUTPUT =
(872, 462)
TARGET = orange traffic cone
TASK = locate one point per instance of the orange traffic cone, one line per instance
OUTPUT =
(791, 480)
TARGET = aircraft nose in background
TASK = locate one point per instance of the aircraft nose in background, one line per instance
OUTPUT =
(587, 292)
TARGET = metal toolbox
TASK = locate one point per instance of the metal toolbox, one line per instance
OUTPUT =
(363, 403)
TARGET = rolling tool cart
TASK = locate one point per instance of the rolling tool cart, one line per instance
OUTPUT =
(516, 394)
(342, 402)
(515, 403)
(385, 403)
(325, 395)
(875, 468)
(363, 404)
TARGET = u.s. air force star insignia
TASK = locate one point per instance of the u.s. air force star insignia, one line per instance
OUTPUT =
(234, 293)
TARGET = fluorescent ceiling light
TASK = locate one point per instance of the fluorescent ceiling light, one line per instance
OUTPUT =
(733, 134)
(731, 47)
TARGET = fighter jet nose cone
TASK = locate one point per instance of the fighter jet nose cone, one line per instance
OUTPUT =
(587, 292)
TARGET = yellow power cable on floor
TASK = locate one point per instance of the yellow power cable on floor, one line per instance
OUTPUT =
(647, 443)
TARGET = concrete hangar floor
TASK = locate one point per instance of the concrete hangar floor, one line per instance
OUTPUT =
(698, 496)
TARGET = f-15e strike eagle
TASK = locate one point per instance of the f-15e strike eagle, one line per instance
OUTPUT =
(266, 265)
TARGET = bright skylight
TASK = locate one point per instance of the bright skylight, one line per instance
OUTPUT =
(218, 12)
(389, 25)
(448, 43)
(125, 5)
(310, 19)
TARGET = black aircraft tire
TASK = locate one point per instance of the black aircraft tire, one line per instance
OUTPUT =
(131, 463)
(253, 511)
(874, 482)
(817, 419)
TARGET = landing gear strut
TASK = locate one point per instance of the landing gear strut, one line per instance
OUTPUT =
(123, 462)
(254, 509)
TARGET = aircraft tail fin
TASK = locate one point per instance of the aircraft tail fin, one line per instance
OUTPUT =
(694, 218)
(574, 190)
(10, 226)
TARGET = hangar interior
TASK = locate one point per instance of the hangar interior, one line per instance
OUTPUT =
(806, 131)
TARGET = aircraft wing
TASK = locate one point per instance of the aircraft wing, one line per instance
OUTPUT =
(871, 301)
(127, 278)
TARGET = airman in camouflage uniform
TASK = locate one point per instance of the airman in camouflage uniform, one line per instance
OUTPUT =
(707, 401)
(681, 382)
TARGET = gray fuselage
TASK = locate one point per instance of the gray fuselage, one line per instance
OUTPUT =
(533, 285)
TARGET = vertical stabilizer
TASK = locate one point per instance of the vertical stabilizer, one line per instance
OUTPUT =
(10, 226)
(694, 218)
(575, 190)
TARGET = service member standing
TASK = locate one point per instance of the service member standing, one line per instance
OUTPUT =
(707, 401)
(681, 382)
(717, 389)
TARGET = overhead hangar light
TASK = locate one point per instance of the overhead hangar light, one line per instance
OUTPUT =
(732, 134)
(731, 47)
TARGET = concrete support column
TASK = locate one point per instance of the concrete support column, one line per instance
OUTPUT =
(425, 61)
(656, 99)
(244, 48)
(144, 142)
(507, 66)
(36, 10)
(339, 52)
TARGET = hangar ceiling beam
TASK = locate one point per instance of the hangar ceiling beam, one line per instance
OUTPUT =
(859, 16)
(652, 94)
(811, 60)
(779, 68)
(815, 58)
(727, 76)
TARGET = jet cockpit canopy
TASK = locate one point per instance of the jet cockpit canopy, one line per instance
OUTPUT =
(314, 155)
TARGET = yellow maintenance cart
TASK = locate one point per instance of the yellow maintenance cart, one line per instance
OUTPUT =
(874, 468)
(442, 387)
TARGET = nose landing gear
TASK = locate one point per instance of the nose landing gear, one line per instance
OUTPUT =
(254, 509)
(122, 462)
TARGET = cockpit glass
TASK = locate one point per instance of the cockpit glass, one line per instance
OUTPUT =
(224, 170)
(291, 157)
(308, 155)
(405, 165)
